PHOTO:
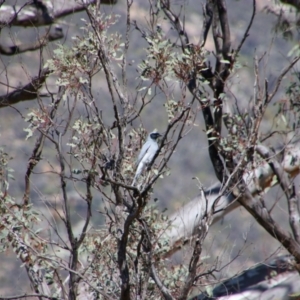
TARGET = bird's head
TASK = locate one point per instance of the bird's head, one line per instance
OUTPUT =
(154, 135)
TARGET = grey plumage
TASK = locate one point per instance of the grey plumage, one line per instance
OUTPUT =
(147, 153)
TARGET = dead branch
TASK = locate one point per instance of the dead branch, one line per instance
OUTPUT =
(281, 76)
(28, 92)
(263, 217)
(40, 296)
(184, 224)
(207, 21)
(222, 9)
(160, 285)
(38, 149)
(277, 277)
(39, 13)
(194, 261)
(42, 41)
(287, 187)
(246, 34)
(175, 21)
(163, 289)
(32, 162)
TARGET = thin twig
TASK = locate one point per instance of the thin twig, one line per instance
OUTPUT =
(174, 19)
(28, 295)
(246, 34)
(163, 289)
(281, 76)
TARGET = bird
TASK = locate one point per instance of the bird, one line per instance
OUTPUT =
(147, 153)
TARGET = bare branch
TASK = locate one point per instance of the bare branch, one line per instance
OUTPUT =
(37, 151)
(163, 289)
(216, 35)
(193, 265)
(175, 21)
(212, 138)
(28, 92)
(32, 162)
(42, 41)
(184, 223)
(122, 254)
(287, 187)
(225, 28)
(39, 13)
(281, 76)
(89, 199)
(73, 242)
(73, 6)
(207, 20)
(246, 34)
(278, 273)
(160, 285)
(294, 215)
(41, 296)
(263, 217)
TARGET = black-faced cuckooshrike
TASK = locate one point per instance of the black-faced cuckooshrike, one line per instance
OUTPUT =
(147, 153)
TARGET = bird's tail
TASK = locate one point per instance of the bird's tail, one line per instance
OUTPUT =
(135, 179)
(138, 173)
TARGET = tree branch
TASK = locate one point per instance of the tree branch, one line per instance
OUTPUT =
(41, 296)
(167, 295)
(28, 92)
(263, 217)
(222, 9)
(175, 21)
(246, 34)
(42, 41)
(184, 224)
(207, 20)
(40, 13)
(163, 289)
(193, 265)
(287, 187)
(278, 273)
